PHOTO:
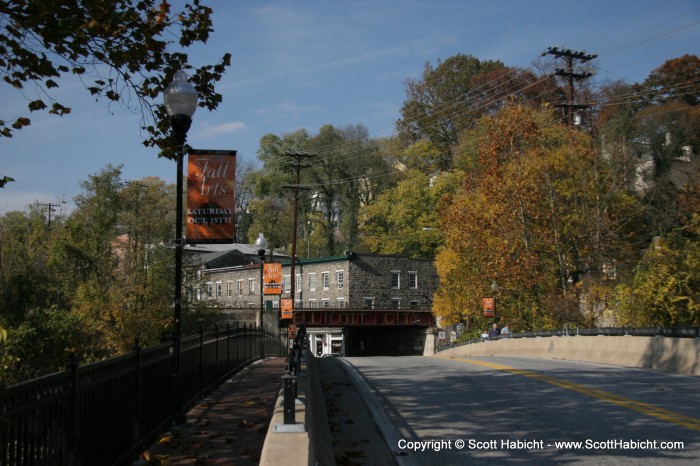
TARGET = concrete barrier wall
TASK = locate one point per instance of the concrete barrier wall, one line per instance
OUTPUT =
(667, 354)
(289, 446)
(308, 441)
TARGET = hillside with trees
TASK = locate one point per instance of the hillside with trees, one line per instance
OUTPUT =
(592, 224)
(486, 175)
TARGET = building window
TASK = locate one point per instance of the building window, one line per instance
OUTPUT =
(325, 303)
(313, 304)
(312, 282)
(340, 303)
(229, 289)
(396, 303)
(251, 286)
(369, 303)
(325, 280)
(219, 290)
(298, 304)
(298, 286)
(339, 278)
(239, 284)
(413, 280)
(414, 305)
(395, 279)
(287, 280)
(210, 288)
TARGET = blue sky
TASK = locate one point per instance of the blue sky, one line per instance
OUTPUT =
(303, 64)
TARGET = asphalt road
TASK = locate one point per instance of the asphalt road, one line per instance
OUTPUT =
(517, 411)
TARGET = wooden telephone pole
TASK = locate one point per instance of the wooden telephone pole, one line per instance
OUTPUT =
(297, 165)
(569, 57)
(50, 207)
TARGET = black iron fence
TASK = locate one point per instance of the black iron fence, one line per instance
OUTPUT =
(106, 413)
(675, 332)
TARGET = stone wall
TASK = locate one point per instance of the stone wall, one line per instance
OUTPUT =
(370, 277)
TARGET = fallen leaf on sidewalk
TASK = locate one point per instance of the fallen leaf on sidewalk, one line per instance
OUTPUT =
(245, 423)
(254, 401)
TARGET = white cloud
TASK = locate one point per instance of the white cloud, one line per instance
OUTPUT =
(207, 130)
(288, 107)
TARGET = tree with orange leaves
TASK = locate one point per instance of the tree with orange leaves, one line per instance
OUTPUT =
(536, 211)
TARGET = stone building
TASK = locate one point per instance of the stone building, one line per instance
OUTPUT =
(350, 304)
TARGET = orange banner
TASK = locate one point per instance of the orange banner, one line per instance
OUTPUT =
(272, 278)
(489, 307)
(211, 178)
(286, 308)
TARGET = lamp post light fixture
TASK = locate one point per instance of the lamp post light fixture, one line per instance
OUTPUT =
(180, 103)
(261, 243)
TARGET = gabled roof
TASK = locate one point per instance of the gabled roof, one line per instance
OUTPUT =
(216, 256)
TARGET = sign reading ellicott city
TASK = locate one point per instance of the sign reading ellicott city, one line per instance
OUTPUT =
(211, 178)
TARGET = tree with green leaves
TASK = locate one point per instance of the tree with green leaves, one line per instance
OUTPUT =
(404, 219)
(345, 170)
(342, 173)
(270, 208)
(452, 96)
(665, 288)
(92, 283)
(121, 51)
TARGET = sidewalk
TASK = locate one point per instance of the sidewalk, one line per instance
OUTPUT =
(356, 438)
(229, 426)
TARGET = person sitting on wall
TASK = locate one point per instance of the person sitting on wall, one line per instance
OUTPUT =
(505, 331)
(485, 335)
(494, 332)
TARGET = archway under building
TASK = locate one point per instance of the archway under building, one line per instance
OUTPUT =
(361, 332)
(385, 341)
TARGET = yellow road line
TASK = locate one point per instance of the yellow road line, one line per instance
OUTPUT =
(649, 410)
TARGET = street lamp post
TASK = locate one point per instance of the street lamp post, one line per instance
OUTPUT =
(180, 103)
(261, 243)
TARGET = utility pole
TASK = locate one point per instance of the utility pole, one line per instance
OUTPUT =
(569, 57)
(297, 165)
(51, 209)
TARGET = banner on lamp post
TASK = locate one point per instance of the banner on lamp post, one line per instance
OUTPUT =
(489, 307)
(211, 179)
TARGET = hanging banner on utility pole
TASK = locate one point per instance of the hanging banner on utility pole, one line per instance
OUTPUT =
(286, 309)
(211, 179)
(272, 278)
(489, 307)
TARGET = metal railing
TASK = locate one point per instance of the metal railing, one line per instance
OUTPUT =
(107, 413)
(674, 332)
